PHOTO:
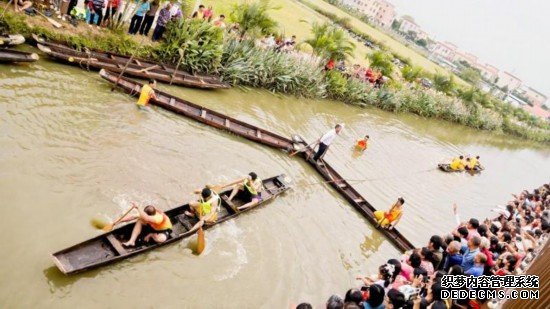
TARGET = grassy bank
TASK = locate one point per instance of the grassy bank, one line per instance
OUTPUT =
(205, 49)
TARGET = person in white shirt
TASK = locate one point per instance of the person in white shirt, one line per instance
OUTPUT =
(326, 140)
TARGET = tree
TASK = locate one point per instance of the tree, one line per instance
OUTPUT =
(411, 73)
(382, 61)
(470, 75)
(422, 43)
(196, 45)
(469, 95)
(254, 17)
(396, 24)
(411, 34)
(444, 83)
(330, 42)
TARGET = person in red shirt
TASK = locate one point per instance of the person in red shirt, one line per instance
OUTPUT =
(330, 65)
(112, 6)
(369, 74)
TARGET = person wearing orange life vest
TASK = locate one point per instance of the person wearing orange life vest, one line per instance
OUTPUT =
(390, 218)
(362, 143)
(154, 222)
(147, 93)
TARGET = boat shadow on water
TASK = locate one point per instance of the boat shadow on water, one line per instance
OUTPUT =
(59, 281)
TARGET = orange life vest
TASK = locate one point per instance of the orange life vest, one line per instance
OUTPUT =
(164, 224)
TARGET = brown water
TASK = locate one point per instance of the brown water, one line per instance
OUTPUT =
(72, 150)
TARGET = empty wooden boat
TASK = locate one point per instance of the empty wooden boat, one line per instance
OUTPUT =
(140, 68)
(10, 55)
(11, 40)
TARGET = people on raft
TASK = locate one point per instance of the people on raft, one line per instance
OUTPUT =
(472, 164)
(250, 188)
(152, 221)
(325, 141)
(147, 93)
(389, 219)
(458, 164)
(206, 208)
(469, 163)
(362, 143)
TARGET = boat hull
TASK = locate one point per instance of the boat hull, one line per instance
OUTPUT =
(107, 248)
(140, 68)
(10, 55)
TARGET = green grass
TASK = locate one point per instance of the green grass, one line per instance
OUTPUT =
(291, 17)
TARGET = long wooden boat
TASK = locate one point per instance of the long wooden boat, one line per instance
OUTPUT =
(220, 121)
(11, 40)
(202, 114)
(447, 168)
(10, 55)
(343, 187)
(94, 60)
(107, 248)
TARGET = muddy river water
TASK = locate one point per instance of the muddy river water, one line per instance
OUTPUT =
(72, 150)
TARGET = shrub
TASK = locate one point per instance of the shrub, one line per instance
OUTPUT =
(198, 44)
(245, 64)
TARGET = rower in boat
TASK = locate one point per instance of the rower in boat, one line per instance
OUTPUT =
(472, 164)
(389, 219)
(250, 188)
(147, 93)
(458, 164)
(206, 209)
(153, 221)
(362, 143)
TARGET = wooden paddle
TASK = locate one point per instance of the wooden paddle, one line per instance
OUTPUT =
(201, 242)
(109, 227)
(50, 20)
(156, 66)
(218, 188)
(126, 65)
(303, 149)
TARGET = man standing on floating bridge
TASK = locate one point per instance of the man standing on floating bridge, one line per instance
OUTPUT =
(326, 140)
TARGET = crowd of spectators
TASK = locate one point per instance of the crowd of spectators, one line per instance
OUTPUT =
(102, 13)
(504, 245)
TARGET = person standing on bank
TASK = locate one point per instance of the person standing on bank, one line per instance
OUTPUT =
(326, 140)
(135, 23)
(149, 18)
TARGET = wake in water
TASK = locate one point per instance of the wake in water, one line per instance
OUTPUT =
(224, 243)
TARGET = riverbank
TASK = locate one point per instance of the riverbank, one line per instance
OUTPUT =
(244, 64)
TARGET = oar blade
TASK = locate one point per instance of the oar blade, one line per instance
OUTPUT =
(200, 241)
(99, 223)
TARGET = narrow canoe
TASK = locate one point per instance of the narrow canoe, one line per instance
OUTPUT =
(202, 114)
(94, 60)
(107, 248)
(10, 55)
(447, 168)
(11, 40)
(342, 186)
